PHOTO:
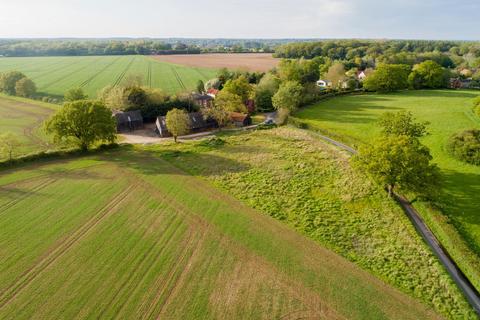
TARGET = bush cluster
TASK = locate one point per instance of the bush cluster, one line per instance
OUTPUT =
(465, 146)
(15, 83)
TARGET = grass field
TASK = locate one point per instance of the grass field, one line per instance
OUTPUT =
(25, 119)
(309, 185)
(155, 242)
(55, 75)
(353, 119)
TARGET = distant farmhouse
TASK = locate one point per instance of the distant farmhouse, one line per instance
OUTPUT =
(203, 100)
(128, 120)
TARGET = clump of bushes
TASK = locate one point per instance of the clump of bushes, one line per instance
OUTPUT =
(212, 142)
(465, 146)
(15, 83)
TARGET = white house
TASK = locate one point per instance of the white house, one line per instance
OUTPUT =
(361, 75)
(324, 84)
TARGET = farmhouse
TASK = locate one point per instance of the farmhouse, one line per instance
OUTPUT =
(197, 124)
(240, 119)
(212, 92)
(128, 120)
(203, 100)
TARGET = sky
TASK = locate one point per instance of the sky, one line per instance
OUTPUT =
(396, 19)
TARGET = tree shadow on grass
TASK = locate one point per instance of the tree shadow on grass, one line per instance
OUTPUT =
(152, 161)
(361, 111)
(441, 94)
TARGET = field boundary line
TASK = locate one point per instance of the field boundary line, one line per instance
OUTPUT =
(470, 292)
(8, 294)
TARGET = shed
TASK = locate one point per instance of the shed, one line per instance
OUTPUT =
(240, 119)
(129, 120)
(197, 124)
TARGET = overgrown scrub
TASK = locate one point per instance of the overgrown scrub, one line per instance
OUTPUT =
(465, 146)
(309, 185)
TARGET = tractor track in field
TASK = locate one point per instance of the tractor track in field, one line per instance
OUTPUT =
(84, 83)
(149, 74)
(48, 85)
(177, 76)
(133, 290)
(124, 72)
(52, 255)
(141, 262)
(37, 188)
(167, 284)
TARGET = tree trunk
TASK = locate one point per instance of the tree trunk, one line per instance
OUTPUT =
(175, 139)
(390, 190)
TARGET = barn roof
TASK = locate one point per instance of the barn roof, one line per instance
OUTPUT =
(128, 116)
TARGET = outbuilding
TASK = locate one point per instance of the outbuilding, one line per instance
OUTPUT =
(240, 119)
(128, 120)
(197, 124)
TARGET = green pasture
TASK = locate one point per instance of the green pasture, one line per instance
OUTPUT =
(25, 118)
(353, 120)
(55, 75)
(128, 235)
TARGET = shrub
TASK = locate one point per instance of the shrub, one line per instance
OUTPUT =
(25, 88)
(465, 146)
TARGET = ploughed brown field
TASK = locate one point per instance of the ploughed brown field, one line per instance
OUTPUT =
(235, 61)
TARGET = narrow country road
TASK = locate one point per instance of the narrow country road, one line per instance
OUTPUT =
(470, 292)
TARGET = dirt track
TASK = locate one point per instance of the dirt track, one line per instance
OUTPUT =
(235, 61)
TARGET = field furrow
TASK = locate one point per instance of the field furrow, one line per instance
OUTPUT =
(56, 252)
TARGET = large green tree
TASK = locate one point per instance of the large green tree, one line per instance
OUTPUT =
(82, 123)
(402, 123)
(230, 102)
(264, 92)
(399, 161)
(9, 80)
(240, 87)
(8, 144)
(25, 88)
(428, 74)
(177, 122)
(387, 78)
(288, 96)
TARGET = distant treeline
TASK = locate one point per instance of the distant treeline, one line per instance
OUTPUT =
(365, 53)
(90, 47)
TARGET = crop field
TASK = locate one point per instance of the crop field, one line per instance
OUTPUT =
(353, 119)
(153, 241)
(24, 118)
(55, 75)
(235, 61)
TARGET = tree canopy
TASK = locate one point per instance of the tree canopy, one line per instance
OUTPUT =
(402, 123)
(288, 96)
(8, 144)
(230, 102)
(82, 123)
(428, 74)
(177, 122)
(25, 88)
(8, 81)
(240, 87)
(400, 161)
(75, 94)
(387, 78)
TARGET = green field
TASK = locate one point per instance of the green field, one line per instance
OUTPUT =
(55, 75)
(353, 120)
(25, 119)
(155, 242)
